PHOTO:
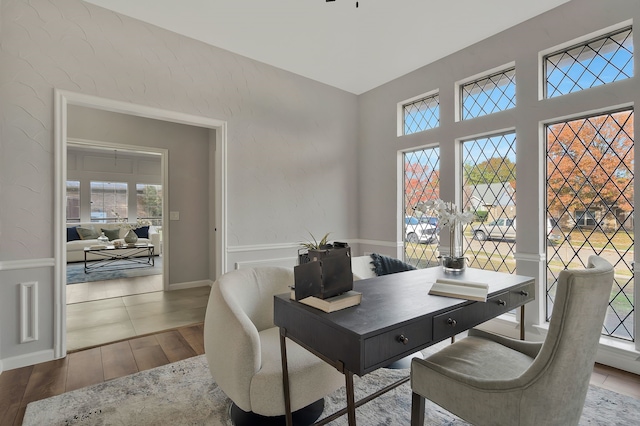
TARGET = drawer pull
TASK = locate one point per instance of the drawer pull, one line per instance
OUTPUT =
(524, 293)
(403, 339)
(502, 302)
(452, 322)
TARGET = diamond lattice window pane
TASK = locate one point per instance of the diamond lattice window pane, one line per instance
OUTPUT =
(487, 95)
(590, 199)
(489, 167)
(422, 114)
(600, 61)
(421, 184)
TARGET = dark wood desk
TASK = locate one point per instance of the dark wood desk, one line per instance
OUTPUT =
(396, 318)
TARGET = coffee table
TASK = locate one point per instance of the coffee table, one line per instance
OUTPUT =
(127, 257)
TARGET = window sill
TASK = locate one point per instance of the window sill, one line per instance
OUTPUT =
(612, 352)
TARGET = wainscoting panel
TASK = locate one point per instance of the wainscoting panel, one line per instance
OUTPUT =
(28, 311)
(286, 262)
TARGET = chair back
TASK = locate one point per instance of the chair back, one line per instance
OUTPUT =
(362, 267)
(559, 376)
(240, 306)
(251, 290)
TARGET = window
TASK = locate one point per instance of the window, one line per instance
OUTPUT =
(585, 218)
(108, 201)
(590, 187)
(487, 95)
(73, 201)
(421, 184)
(600, 61)
(489, 190)
(422, 114)
(149, 202)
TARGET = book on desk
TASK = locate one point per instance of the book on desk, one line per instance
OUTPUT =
(460, 289)
(332, 304)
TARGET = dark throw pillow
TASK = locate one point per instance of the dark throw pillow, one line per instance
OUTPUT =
(87, 233)
(142, 232)
(384, 265)
(111, 234)
(72, 234)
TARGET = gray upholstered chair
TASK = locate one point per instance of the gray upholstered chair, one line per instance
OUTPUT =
(242, 346)
(491, 380)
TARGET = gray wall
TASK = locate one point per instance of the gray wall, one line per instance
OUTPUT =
(379, 181)
(188, 151)
(291, 155)
(380, 145)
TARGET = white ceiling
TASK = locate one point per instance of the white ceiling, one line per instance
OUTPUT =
(354, 49)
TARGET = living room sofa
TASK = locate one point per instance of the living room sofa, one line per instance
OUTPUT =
(76, 243)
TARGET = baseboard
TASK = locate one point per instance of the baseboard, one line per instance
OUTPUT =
(191, 284)
(27, 359)
(627, 360)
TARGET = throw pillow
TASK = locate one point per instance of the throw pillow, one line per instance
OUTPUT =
(87, 233)
(142, 232)
(72, 234)
(111, 234)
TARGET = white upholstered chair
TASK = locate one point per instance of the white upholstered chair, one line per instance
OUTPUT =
(375, 264)
(242, 347)
(362, 267)
(491, 380)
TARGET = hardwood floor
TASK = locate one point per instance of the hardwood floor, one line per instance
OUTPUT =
(91, 366)
(21, 386)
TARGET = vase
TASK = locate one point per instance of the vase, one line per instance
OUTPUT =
(103, 239)
(131, 237)
(455, 261)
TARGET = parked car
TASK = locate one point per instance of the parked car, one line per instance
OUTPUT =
(505, 229)
(430, 220)
(502, 228)
(418, 232)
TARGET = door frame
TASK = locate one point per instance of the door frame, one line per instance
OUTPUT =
(218, 199)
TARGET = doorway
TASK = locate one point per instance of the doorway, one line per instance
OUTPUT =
(217, 189)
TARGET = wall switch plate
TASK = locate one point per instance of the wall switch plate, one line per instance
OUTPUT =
(174, 215)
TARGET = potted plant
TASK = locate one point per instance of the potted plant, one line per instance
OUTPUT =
(313, 245)
(449, 216)
(324, 269)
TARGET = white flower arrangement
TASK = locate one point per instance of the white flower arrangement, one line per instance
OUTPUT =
(448, 215)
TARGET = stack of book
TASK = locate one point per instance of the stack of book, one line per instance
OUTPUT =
(332, 304)
(460, 289)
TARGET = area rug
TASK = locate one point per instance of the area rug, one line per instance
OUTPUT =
(183, 393)
(76, 274)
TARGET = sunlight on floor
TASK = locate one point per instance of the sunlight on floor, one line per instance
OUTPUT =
(121, 315)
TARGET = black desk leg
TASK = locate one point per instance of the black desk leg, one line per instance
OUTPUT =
(285, 378)
(351, 400)
(417, 409)
(522, 322)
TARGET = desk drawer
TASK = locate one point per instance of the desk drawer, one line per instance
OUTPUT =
(522, 295)
(458, 320)
(382, 348)
(497, 305)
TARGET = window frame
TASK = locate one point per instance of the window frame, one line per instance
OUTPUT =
(479, 77)
(400, 111)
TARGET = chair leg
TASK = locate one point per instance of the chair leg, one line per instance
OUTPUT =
(417, 409)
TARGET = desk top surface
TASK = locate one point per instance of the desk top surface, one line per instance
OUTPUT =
(392, 299)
